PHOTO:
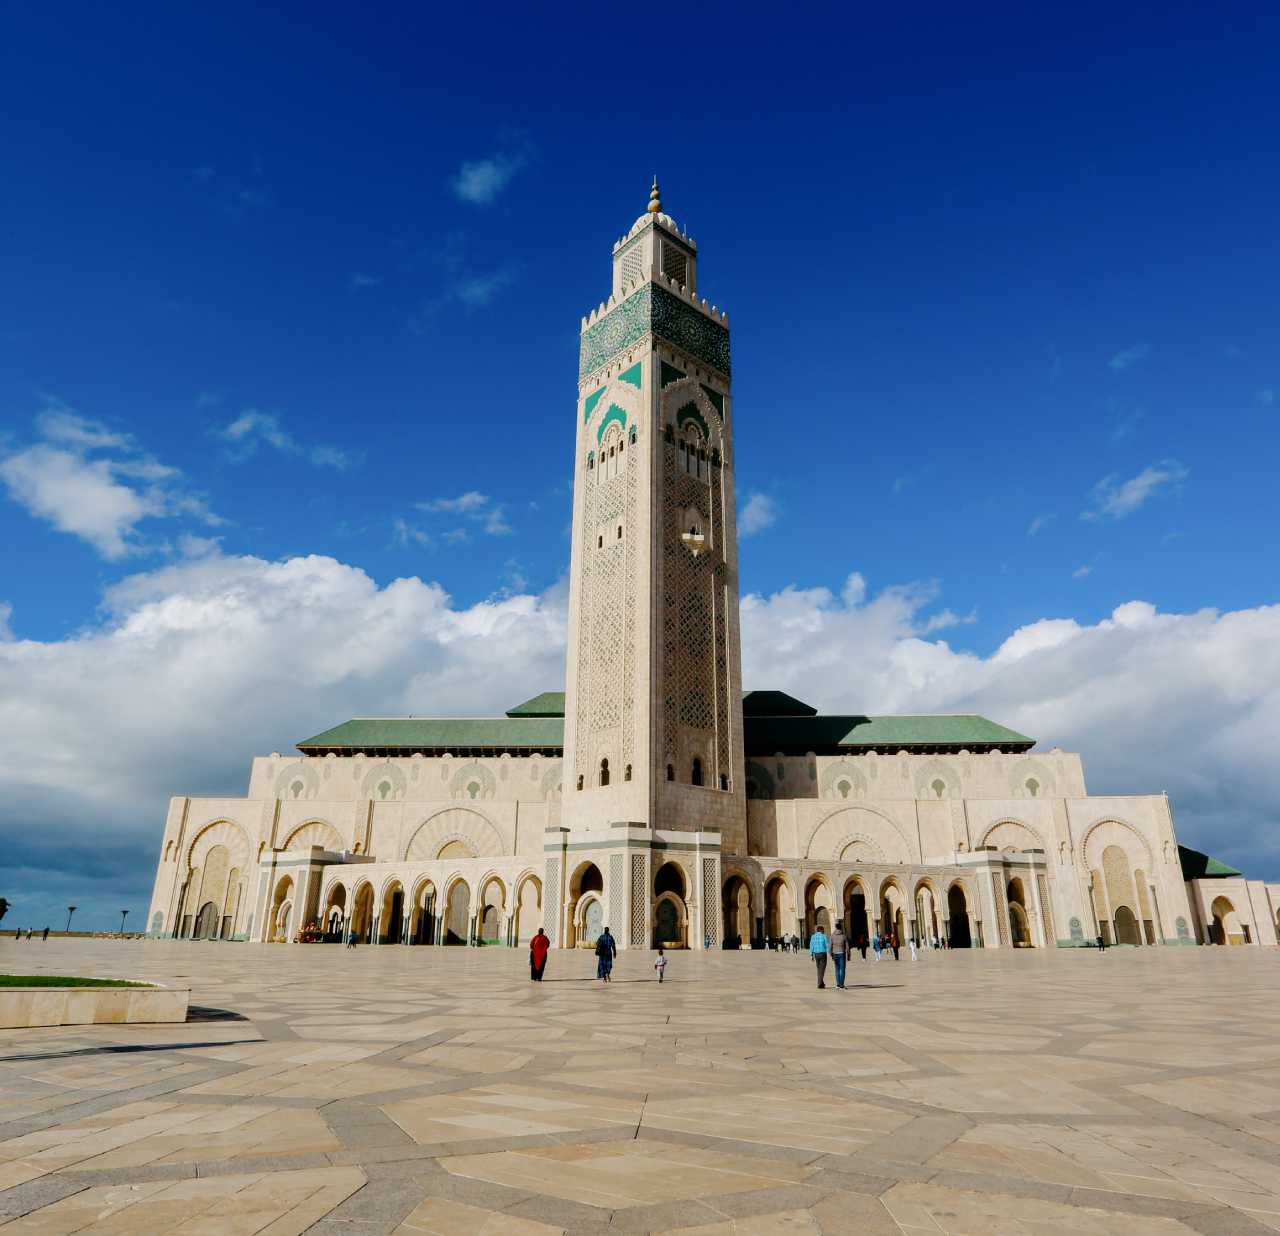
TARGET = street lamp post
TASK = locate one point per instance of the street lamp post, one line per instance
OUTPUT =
(123, 915)
(70, 911)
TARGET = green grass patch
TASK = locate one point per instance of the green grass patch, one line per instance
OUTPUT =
(62, 980)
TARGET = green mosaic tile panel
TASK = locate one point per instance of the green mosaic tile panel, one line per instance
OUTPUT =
(631, 376)
(690, 413)
(651, 308)
(590, 404)
(614, 413)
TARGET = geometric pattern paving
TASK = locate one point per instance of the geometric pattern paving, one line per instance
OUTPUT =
(427, 1090)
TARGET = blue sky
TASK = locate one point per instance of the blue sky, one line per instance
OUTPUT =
(308, 281)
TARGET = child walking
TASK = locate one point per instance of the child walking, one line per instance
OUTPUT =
(660, 964)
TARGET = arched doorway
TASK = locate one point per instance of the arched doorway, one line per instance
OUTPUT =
(818, 906)
(737, 912)
(362, 914)
(281, 907)
(422, 929)
(958, 934)
(1225, 928)
(926, 912)
(1126, 927)
(457, 916)
(1019, 924)
(892, 918)
(335, 913)
(493, 901)
(528, 909)
(780, 908)
(391, 925)
(206, 922)
(1121, 891)
(855, 913)
(586, 907)
(670, 916)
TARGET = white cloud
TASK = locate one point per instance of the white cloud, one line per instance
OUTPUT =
(474, 506)
(466, 288)
(1187, 703)
(197, 666)
(208, 661)
(759, 512)
(1126, 358)
(1115, 498)
(1082, 572)
(360, 280)
(100, 499)
(252, 428)
(1039, 522)
(408, 535)
(479, 182)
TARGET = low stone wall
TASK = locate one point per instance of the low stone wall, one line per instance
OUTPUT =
(21, 1007)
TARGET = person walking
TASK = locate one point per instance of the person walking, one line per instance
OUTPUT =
(819, 947)
(875, 946)
(45, 934)
(539, 946)
(911, 944)
(893, 944)
(862, 944)
(839, 953)
(606, 951)
(660, 963)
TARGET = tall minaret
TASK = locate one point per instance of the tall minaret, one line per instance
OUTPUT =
(653, 715)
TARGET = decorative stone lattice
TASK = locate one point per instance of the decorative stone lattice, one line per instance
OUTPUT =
(710, 899)
(1046, 910)
(692, 637)
(472, 780)
(606, 657)
(639, 900)
(651, 309)
(455, 824)
(314, 832)
(617, 890)
(1002, 912)
(551, 901)
(297, 780)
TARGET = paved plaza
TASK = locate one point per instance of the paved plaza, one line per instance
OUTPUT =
(434, 1090)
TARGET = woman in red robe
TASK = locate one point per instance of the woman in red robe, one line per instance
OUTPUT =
(539, 946)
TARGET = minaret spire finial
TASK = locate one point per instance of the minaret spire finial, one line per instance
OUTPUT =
(655, 202)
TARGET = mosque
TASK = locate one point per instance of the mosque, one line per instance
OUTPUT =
(656, 796)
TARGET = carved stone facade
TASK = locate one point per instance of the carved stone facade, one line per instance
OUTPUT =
(653, 796)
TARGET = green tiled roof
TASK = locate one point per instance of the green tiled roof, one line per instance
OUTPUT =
(548, 704)
(456, 734)
(1196, 865)
(774, 704)
(796, 735)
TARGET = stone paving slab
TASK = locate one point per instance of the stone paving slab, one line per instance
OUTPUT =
(420, 1090)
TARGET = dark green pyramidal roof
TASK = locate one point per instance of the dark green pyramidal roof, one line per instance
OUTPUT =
(773, 722)
(1196, 865)
(548, 704)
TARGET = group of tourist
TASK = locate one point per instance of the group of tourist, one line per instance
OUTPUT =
(17, 935)
(837, 946)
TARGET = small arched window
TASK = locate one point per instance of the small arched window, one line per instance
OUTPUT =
(1033, 786)
(619, 532)
(671, 772)
(724, 781)
(626, 773)
(600, 541)
(604, 772)
(696, 778)
(579, 782)
(632, 435)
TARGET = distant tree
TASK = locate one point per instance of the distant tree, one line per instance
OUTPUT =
(4, 907)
